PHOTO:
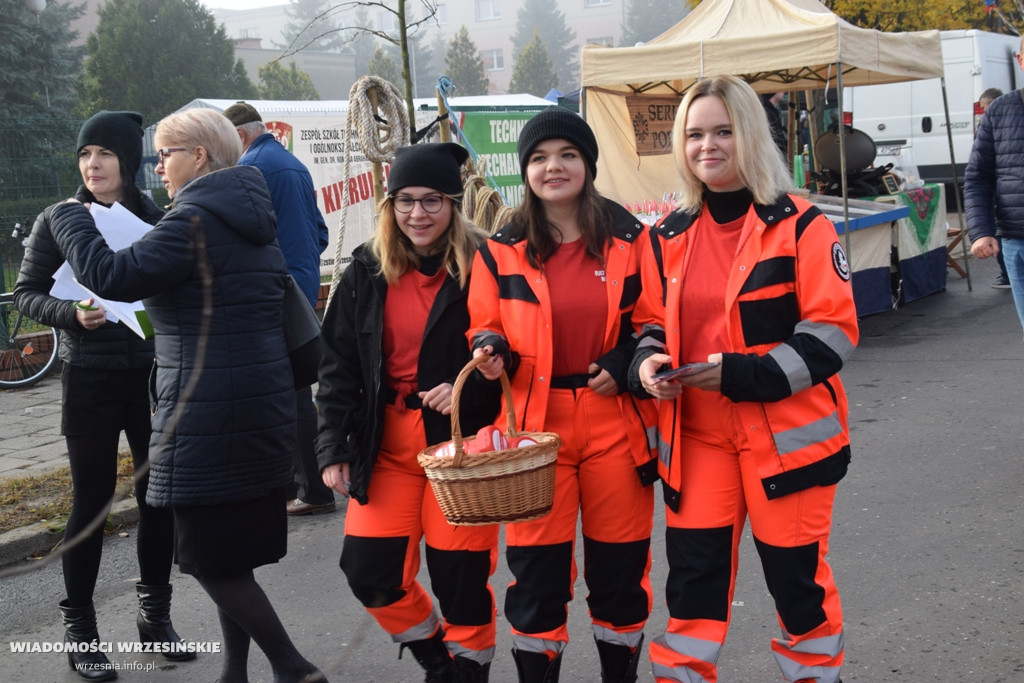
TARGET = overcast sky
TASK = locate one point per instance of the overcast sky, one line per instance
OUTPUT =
(241, 4)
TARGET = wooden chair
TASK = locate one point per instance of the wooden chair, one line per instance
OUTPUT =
(957, 234)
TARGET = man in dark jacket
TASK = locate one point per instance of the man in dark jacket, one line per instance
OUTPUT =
(994, 188)
(302, 234)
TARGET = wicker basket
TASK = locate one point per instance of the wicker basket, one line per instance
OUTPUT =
(512, 485)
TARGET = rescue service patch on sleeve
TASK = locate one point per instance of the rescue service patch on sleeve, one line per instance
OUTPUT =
(839, 262)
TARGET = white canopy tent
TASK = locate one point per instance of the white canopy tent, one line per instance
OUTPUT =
(630, 94)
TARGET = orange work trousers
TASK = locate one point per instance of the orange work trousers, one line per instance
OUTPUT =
(595, 478)
(381, 552)
(720, 489)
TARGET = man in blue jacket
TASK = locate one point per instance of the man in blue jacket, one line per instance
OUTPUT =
(302, 234)
(994, 188)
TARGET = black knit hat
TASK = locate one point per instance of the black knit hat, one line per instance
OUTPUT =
(430, 164)
(241, 113)
(557, 122)
(118, 131)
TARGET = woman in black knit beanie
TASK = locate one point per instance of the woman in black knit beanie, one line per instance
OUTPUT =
(105, 391)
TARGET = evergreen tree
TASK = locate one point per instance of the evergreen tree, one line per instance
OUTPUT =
(383, 65)
(312, 26)
(545, 17)
(38, 71)
(464, 66)
(154, 56)
(534, 73)
(278, 83)
(646, 19)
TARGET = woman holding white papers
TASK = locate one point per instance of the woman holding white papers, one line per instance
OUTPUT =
(105, 380)
(213, 279)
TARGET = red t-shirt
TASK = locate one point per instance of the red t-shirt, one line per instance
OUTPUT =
(579, 308)
(406, 309)
(712, 254)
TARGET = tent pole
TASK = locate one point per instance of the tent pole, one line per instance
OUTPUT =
(812, 128)
(842, 159)
(956, 186)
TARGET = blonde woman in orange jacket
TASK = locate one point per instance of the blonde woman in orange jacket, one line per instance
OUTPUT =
(551, 300)
(753, 278)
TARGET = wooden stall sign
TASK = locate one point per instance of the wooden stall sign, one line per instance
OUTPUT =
(652, 119)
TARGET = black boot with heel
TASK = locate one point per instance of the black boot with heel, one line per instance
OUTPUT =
(80, 627)
(154, 620)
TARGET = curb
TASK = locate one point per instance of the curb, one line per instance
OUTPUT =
(31, 542)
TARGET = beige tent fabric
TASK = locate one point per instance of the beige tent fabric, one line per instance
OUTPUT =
(776, 45)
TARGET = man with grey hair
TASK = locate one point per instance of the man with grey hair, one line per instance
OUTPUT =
(302, 234)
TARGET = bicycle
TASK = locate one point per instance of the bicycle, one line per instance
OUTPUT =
(28, 349)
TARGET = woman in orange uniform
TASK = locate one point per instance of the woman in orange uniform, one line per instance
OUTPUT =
(393, 342)
(550, 300)
(754, 278)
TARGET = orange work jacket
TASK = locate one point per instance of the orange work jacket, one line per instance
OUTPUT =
(510, 298)
(790, 321)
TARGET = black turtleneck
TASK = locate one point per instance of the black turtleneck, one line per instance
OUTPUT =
(725, 207)
(429, 265)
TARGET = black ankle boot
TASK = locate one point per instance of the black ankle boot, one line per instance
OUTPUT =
(80, 627)
(433, 656)
(154, 620)
(619, 662)
(535, 667)
(469, 671)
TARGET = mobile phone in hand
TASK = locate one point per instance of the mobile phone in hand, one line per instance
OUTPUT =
(682, 371)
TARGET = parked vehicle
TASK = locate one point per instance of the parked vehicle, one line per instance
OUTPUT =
(907, 120)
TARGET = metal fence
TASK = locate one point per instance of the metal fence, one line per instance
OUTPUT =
(37, 168)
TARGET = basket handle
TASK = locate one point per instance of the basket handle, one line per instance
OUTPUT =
(506, 389)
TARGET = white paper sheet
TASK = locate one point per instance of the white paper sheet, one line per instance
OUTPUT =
(120, 228)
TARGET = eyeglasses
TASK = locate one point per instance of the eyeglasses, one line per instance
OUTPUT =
(405, 204)
(162, 154)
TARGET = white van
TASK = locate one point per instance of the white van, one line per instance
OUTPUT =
(907, 120)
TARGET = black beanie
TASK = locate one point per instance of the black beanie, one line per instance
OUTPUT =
(430, 164)
(557, 122)
(118, 131)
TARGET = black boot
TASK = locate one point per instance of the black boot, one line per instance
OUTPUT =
(433, 656)
(469, 671)
(619, 662)
(154, 620)
(535, 667)
(80, 627)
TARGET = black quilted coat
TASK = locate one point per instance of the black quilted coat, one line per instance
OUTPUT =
(212, 279)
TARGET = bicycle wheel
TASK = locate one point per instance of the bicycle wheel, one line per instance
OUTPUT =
(28, 349)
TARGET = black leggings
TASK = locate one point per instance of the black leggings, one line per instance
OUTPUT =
(93, 477)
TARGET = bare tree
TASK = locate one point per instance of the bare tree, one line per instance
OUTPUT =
(404, 24)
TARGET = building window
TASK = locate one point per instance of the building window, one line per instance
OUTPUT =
(596, 3)
(441, 15)
(603, 41)
(249, 33)
(387, 22)
(487, 10)
(494, 60)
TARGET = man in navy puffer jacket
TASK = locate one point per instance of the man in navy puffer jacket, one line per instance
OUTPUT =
(994, 188)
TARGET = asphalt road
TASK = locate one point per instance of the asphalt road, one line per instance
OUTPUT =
(928, 545)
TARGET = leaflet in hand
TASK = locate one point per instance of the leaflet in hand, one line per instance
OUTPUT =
(120, 228)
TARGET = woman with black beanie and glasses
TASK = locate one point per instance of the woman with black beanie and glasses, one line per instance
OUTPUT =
(105, 391)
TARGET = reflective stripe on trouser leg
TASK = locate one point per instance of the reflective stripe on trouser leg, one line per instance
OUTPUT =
(381, 553)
